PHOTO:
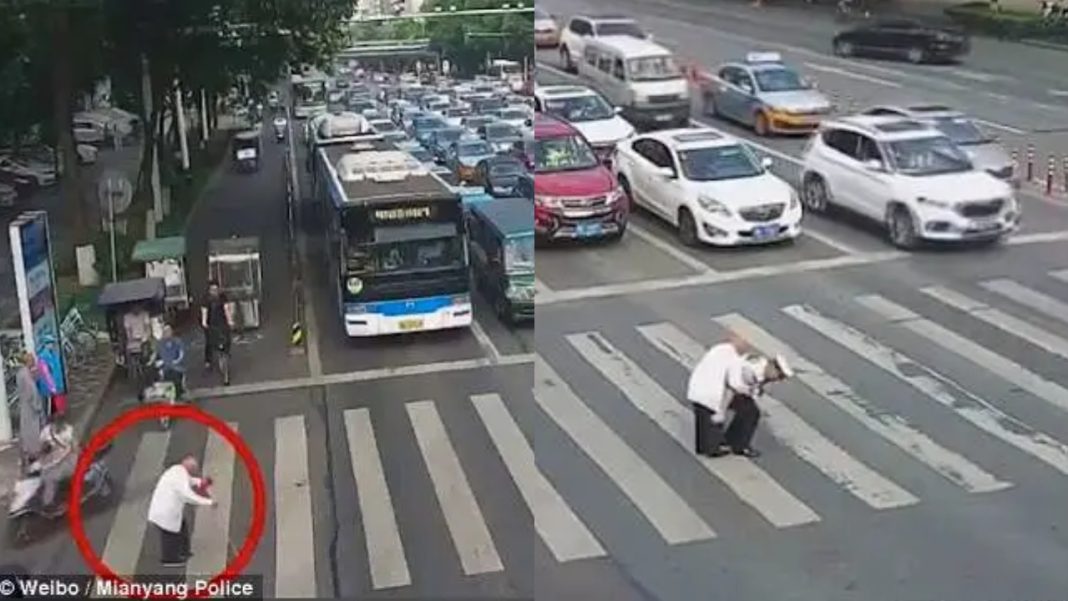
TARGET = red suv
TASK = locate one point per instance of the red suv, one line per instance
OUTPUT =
(575, 195)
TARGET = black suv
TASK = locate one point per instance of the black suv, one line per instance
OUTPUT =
(912, 40)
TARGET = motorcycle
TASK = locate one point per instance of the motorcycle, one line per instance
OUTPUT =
(26, 509)
(162, 390)
(280, 125)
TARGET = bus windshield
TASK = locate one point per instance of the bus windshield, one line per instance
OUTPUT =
(519, 255)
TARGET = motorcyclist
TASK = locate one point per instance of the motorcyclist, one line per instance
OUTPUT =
(217, 319)
(171, 352)
(59, 459)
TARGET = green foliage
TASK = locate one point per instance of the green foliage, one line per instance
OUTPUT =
(467, 41)
(980, 17)
(124, 245)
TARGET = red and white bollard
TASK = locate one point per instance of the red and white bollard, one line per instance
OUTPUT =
(1051, 167)
(1030, 163)
(1064, 174)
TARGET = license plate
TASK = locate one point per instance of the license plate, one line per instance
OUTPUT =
(585, 230)
(984, 226)
(663, 118)
(411, 324)
(766, 231)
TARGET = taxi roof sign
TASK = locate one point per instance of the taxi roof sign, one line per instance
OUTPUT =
(763, 57)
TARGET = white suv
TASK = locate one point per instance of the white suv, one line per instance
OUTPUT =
(581, 28)
(908, 176)
(598, 121)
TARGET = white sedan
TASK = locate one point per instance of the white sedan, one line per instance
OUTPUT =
(709, 185)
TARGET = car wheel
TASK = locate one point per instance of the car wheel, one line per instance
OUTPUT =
(687, 228)
(625, 185)
(565, 58)
(843, 48)
(761, 125)
(710, 105)
(901, 227)
(814, 194)
(916, 55)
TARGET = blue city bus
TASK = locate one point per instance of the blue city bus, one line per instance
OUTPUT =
(395, 238)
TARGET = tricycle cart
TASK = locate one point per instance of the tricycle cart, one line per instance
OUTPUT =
(164, 258)
(134, 312)
(235, 264)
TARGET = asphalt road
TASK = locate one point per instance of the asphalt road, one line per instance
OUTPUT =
(921, 451)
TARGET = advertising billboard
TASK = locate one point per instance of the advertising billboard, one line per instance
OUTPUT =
(35, 280)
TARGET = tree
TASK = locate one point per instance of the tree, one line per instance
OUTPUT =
(467, 41)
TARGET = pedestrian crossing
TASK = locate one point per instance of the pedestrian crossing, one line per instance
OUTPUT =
(891, 370)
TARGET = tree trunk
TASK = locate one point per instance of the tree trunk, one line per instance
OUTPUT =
(73, 193)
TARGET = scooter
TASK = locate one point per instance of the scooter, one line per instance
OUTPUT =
(280, 125)
(162, 390)
(26, 509)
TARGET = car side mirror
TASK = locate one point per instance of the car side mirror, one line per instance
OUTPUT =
(766, 162)
(874, 165)
(747, 88)
(666, 172)
(618, 110)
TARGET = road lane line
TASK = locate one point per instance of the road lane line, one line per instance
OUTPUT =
(679, 255)
(1059, 93)
(385, 551)
(665, 510)
(826, 240)
(562, 531)
(944, 391)
(894, 428)
(949, 340)
(979, 75)
(852, 75)
(792, 432)
(294, 550)
(211, 532)
(484, 341)
(746, 479)
(541, 288)
(363, 376)
(123, 547)
(470, 534)
(1001, 126)
(1039, 301)
(1039, 237)
(1061, 275)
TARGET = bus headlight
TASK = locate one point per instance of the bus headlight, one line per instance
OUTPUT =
(461, 299)
(354, 285)
(519, 293)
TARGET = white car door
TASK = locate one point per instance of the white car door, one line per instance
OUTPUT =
(841, 169)
(651, 157)
(873, 179)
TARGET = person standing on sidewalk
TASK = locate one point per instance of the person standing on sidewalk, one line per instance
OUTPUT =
(31, 408)
(166, 511)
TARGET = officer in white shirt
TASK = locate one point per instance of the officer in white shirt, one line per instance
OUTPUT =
(709, 396)
(746, 384)
(174, 491)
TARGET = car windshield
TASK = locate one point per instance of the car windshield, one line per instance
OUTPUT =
(580, 108)
(428, 123)
(568, 153)
(505, 169)
(384, 126)
(719, 163)
(780, 80)
(458, 112)
(421, 155)
(519, 255)
(471, 149)
(653, 68)
(928, 156)
(444, 137)
(962, 131)
(513, 114)
(501, 132)
(620, 28)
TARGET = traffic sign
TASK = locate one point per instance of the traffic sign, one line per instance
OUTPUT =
(114, 188)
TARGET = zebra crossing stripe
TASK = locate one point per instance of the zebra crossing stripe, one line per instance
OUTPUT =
(385, 551)
(1041, 302)
(470, 535)
(792, 431)
(892, 427)
(665, 510)
(1061, 275)
(752, 485)
(562, 531)
(1006, 369)
(938, 388)
(294, 564)
(211, 532)
(122, 550)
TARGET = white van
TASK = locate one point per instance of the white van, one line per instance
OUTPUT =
(640, 77)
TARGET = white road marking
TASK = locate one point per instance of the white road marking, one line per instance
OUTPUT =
(210, 538)
(470, 534)
(385, 550)
(363, 376)
(294, 552)
(665, 510)
(1059, 93)
(1039, 237)
(746, 479)
(763, 271)
(852, 75)
(970, 407)
(998, 97)
(892, 427)
(792, 432)
(994, 363)
(562, 531)
(674, 252)
(1061, 275)
(1001, 126)
(123, 547)
(979, 75)
(826, 240)
(540, 287)
(484, 341)
(1039, 301)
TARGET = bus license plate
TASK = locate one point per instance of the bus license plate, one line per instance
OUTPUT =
(585, 230)
(663, 118)
(411, 324)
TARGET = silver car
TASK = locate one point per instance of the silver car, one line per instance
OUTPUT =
(767, 95)
(984, 151)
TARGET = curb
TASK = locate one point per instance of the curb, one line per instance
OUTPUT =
(92, 408)
(1044, 44)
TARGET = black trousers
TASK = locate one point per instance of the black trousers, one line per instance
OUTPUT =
(213, 339)
(739, 434)
(174, 546)
(708, 435)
